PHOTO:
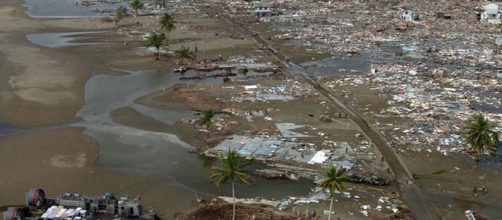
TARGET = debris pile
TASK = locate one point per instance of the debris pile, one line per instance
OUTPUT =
(434, 102)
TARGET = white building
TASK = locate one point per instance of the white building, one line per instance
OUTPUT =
(261, 9)
(492, 13)
(407, 15)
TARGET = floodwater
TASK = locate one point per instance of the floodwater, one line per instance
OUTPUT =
(6, 129)
(494, 162)
(155, 153)
(69, 9)
(338, 65)
(57, 40)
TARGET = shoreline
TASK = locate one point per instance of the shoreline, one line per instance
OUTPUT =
(60, 159)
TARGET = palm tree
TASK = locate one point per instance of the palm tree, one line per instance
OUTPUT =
(120, 14)
(207, 115)
(167, 22)
(136, 5)
(333, 180)
(157, 41)
(231, 169)
(479, 133)
(185, 54)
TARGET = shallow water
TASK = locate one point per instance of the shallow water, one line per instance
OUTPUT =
(491, 162)
(338, 65)
(154, 153)
(57, 40)
(6, 129)
(67, 9)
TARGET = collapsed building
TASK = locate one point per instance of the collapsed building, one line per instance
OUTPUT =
(76, 206)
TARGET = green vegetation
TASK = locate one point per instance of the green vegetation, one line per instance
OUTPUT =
(156, 40)
(206, 118)
(167, 22)
(480, 135)
(231, 169)
(333, 180)
(136, 5)
(185, 54)
(120, 14)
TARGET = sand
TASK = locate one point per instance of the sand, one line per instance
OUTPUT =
(38, 86)
(42, 86)
(61, 160)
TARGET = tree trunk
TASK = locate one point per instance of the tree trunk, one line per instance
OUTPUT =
(478, 157)
(158, 53)
(330, 207)
(233, 201)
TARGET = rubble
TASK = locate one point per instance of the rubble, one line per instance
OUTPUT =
(299, 155)
(437, 32)
(435, 102)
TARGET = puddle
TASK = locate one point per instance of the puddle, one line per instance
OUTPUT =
(338, 65)
(57, 40)
(6, 129)
(490, 162)
(69, 9)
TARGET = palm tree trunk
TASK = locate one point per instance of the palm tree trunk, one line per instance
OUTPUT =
(330, 207)
(233, 196)
(478, 157)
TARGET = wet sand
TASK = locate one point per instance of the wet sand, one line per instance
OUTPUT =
(62, 160)
(41, 86)
(42, 89)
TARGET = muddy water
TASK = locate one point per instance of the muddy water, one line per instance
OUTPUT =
(134, 150)
(6, 129)
(68, 9)
(57, 40)
(338, 65)
(154, 153)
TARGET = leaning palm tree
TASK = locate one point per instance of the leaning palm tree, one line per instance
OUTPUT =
(136, 5)
(156, 40)
(333, 180)
(481, 137)
(231, 169)
(185, 54)
(167, 22)
(120, 13)
(206, 118)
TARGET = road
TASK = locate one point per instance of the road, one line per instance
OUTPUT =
(413, 195)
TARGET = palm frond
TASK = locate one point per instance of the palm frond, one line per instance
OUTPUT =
(230, 169)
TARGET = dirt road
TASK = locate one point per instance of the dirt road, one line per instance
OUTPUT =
(411, 193)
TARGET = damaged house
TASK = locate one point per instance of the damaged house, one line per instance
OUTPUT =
(261, 9)
(492, 13)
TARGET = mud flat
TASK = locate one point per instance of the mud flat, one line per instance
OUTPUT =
(77, 146)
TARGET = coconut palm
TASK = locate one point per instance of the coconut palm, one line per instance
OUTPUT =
(120, 13)
(231, 169)
(167, 22)
(479, 134)
(206, 118)
(333, 180)
(185, 54)
(156, 40)
(136, 5)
